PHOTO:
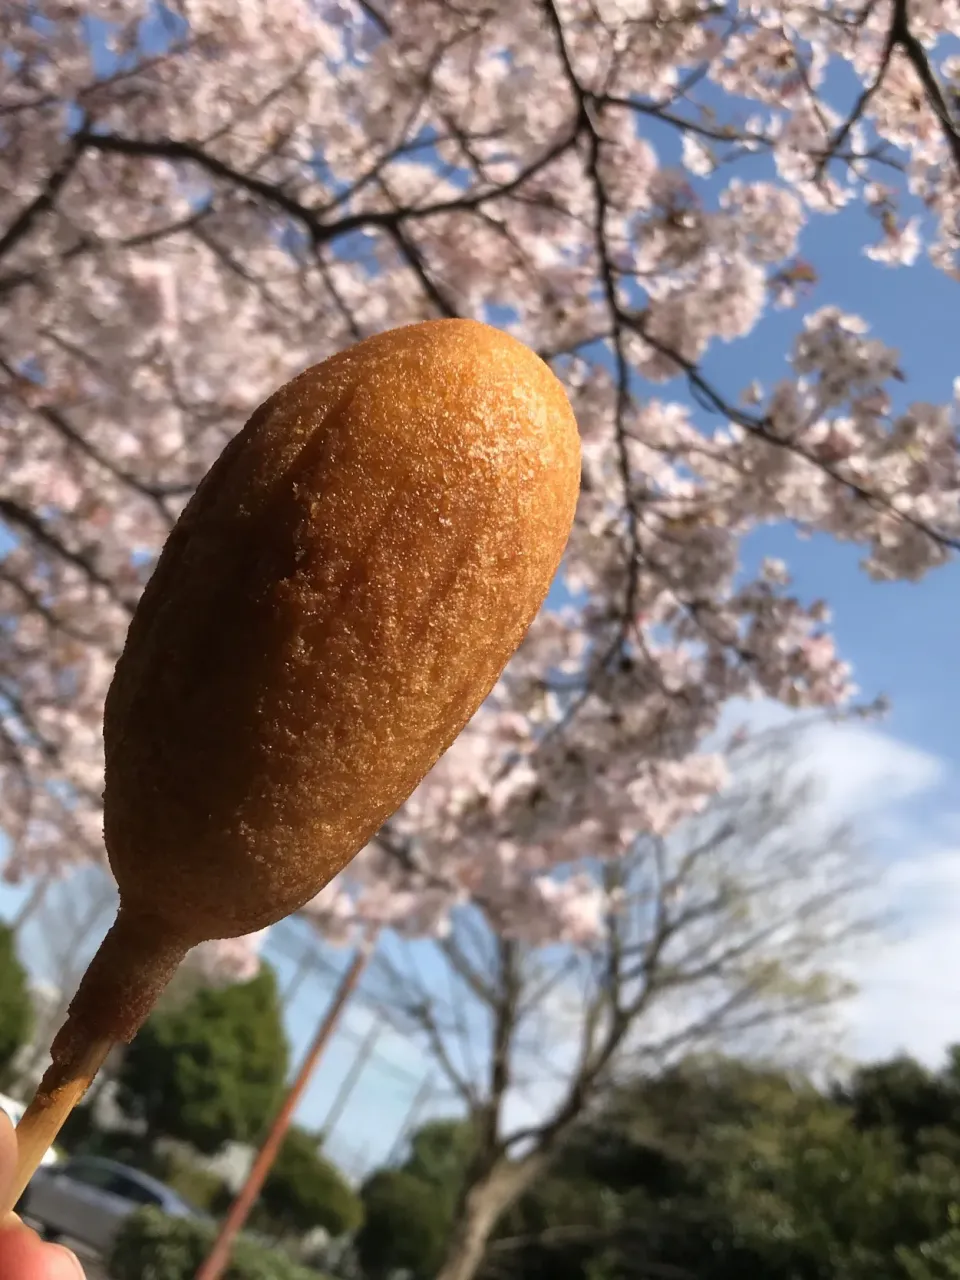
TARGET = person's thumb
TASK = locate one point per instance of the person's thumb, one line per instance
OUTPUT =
(24, 1256)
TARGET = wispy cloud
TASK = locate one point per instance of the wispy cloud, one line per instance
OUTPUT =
(897, 799)
(910, 981)
(859, 768)
(896, 796)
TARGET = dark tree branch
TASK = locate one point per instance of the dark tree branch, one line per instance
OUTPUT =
(311, 219)
(35, 604)
(43, 202)
(55, 418)
(863, 101)
(86, 245)
(376, 17)
(586, 123)
(504, 1028)
(763, 428)
(901, 35)
(22, 518)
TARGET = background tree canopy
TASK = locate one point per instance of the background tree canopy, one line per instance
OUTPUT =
(713, 1171)
(212, 1069)
(304, 1190)
(406, 1225)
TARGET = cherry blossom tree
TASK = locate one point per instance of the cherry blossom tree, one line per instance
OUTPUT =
(199, 198)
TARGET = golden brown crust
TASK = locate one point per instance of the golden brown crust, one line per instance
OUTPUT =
(336, 601)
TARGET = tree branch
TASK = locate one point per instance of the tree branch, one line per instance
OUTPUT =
(902, 36)
(43, 202)
(311, 219)
(21, 517)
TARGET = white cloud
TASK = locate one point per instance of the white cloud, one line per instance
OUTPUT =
(862, 775)
(863, 771)
(909, 989)
(859, 768)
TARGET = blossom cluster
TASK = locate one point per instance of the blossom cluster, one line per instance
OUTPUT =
(199, 199)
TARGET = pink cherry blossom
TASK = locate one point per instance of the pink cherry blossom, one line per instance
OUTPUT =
(217, 193)
(228, 960)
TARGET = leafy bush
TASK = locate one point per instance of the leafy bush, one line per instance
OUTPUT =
(304, 1190)
(406, 1225)
(152, 1246)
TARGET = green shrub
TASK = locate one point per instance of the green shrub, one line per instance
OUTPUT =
(152, 1246)
(304, 1190)
(406, 1225)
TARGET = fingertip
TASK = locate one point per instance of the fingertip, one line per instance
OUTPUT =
(62, 1264)
(24, 1256)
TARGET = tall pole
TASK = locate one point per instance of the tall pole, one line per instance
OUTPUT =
(350, 1080)
(408, 1122)
(219, 1256)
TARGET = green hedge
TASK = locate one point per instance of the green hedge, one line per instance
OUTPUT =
(152, 1246)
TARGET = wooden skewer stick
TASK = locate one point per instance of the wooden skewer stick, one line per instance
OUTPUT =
(120, 987)
(61, 1089)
